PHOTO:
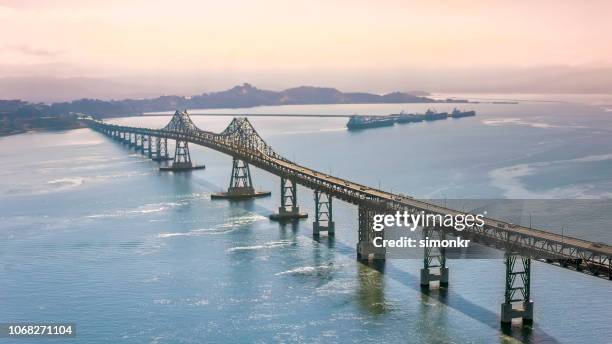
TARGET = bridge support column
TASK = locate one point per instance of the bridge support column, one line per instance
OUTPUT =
(518, 287)
(140, 143)
(241, 184)
(365, 247)
(161, 149)
(323, 214)
(434, 258)
(182, 159)
(147, 146)
(289, 209)
(132, 141)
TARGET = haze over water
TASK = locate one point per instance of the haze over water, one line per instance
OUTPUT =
(92, 233)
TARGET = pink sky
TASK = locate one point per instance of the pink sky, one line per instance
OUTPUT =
(194, 45)
(108, 37)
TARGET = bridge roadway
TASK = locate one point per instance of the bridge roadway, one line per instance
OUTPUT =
(240, 140)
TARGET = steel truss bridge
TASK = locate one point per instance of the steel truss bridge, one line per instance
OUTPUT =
(241, 141)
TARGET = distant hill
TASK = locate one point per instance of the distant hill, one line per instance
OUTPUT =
(247, 96)
(239, 96)
(17, 111)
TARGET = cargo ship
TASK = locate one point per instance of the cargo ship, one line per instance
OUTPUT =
(432, 115)
(363, 122)
(403, 117)
(458, 114)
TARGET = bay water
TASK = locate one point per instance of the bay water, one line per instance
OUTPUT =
(92, 233)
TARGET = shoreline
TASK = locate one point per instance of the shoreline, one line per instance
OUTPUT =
(40, 130)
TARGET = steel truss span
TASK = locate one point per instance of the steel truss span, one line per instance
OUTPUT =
(241, 141)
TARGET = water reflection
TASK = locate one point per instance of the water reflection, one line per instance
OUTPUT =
(371, 291)
(181, 182)
(248, 205)
(328, 241)
(432, 310)
(518, 331)
(288, 229)
(324, 260)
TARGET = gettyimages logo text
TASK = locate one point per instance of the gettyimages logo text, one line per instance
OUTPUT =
(412, 221)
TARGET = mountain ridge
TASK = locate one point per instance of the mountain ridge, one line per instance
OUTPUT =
(239, 96)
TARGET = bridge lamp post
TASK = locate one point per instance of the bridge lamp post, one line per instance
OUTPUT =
(562, 237)
(529, 220)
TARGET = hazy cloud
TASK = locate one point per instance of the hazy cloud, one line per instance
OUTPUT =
(451, 46)
(33, 51)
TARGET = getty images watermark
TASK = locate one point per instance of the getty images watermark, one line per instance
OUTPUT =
(412, 221)
(407, 234)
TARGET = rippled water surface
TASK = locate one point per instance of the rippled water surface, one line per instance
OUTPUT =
(92, 233)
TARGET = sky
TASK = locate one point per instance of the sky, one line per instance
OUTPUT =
(285, 43)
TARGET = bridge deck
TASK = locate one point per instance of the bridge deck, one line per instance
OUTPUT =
(430, 207)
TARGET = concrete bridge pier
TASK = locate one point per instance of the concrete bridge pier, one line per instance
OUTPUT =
(140, 143)
(323, 214)
(182, 159)
(147, 146)
(241, 184)
(365, 246)
(132, 139)
(288, 209)
(434, 259)
(518, 289)
(161, 149)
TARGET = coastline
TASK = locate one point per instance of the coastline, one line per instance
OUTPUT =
(76, 125)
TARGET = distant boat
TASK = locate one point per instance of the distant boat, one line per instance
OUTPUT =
(432, 115)
(458, 114)
(403, 117)
(364, 122)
